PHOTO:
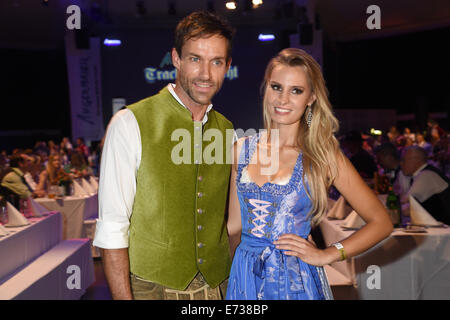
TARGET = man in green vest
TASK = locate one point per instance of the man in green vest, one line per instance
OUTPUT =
(161, 221)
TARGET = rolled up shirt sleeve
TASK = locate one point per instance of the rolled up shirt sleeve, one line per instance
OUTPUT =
(120, 161)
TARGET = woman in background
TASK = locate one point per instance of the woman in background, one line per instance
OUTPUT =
(53, 174)
(78, 166)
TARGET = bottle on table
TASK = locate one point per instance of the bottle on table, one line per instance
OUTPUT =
(3, 211)
(393, 207)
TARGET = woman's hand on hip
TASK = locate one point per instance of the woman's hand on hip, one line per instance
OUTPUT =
(306, 250)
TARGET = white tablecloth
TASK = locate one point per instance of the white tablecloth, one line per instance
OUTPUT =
(74, 211)
(412, 265)
(24, 244)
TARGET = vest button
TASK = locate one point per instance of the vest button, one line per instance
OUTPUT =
(200, 227)
(197, 145)
(200, 178)
(200, 211)
(200, 261)
(200, 194)
(200, 245)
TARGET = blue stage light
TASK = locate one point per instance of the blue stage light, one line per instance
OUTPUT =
(266, 37)
(112, 42)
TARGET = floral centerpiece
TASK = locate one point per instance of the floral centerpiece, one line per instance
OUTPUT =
(66, 182)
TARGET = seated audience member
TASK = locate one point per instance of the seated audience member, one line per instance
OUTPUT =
(36, 167)
(368, 144)
(393, 134)
(82, 148)
(53, 173)
(29, 160)
(408, 135)
(94, 157)
(13, 182)
(421, 142)
(64, 154)
(52, 147)
(65, 144)
(32, 176)
(40, 147)
(360, 158)
(408, 142)
(434, 131)
(388, 158)
(78, 166)
(428, 186)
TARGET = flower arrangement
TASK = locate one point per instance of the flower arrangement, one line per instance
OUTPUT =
(65, 180)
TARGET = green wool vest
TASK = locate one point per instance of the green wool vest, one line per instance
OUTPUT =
(178, 223)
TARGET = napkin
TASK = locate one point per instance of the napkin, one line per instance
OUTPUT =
(78, 189)
(3, 231)
(94, 183)
(87, 186)
(15, 218)
(36, 209)
(418, 214)
(339, 210)
(353, 221)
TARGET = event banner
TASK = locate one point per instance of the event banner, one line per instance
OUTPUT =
(84, 74)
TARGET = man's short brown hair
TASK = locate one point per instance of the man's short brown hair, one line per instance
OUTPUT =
(14, 160)
(203, 24)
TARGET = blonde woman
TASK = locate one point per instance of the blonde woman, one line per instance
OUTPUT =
(52, 174)
(271, 215)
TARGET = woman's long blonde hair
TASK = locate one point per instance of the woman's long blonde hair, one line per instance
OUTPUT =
(54, 174)
(319, 145)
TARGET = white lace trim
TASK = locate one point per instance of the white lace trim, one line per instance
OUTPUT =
(245, 178)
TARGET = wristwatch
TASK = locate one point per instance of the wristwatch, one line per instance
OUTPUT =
(340, 247)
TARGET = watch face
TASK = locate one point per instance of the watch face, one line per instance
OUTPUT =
(338, 245)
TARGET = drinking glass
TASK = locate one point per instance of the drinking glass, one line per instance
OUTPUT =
(52, 191)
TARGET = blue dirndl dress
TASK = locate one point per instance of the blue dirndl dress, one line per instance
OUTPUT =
(260, 271)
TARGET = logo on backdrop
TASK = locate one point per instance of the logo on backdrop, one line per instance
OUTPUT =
(163, 73)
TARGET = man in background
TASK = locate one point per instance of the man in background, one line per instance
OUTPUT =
(387, 156)
(14, 186)
(428, 185)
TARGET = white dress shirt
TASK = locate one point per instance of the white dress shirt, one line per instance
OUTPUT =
(29, 179)
(121, 157)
